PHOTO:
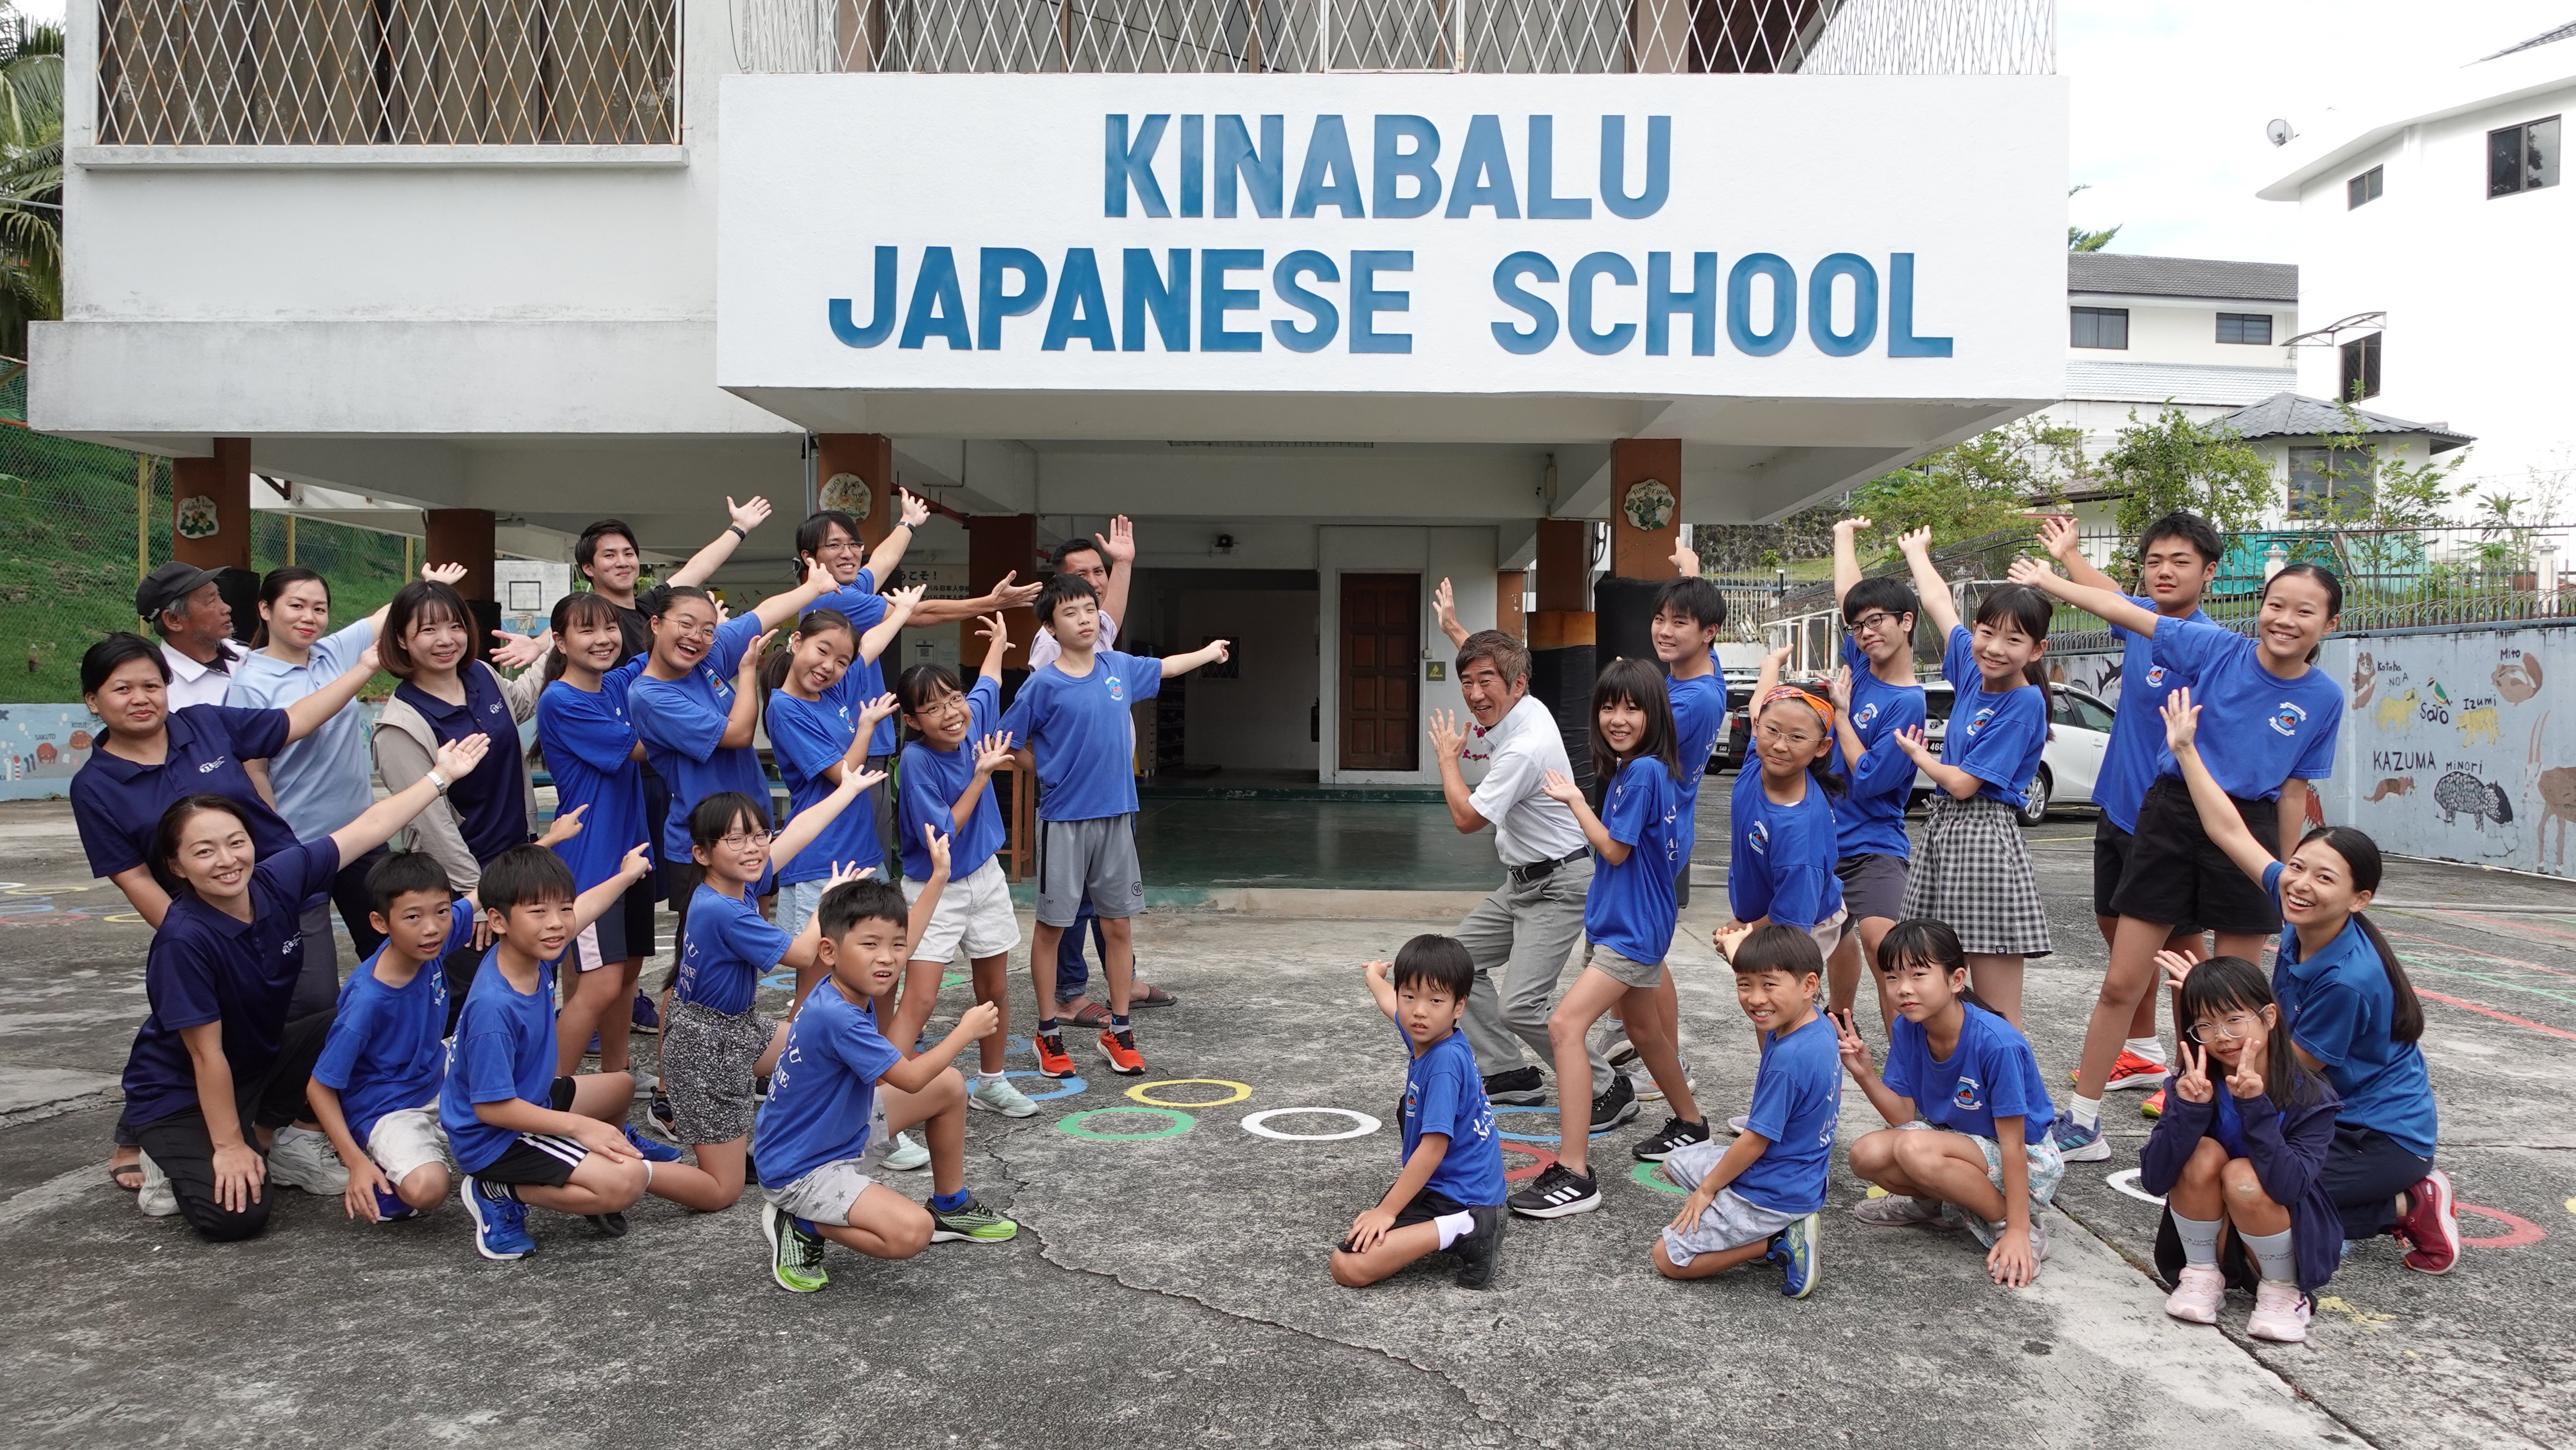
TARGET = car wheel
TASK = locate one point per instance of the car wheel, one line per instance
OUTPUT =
(2034, 802)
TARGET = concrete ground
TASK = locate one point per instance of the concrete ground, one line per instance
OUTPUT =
(1172, 1289)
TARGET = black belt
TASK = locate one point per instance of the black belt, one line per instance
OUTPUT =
(1541, 870)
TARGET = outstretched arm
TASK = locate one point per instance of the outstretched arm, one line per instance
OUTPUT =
(2058, 536)
(703, 564)
(2111, 604)
(2218, 818)
(1444, 609)
(1933, 590)
(306, 715)
(377, 824)
(1206, 654)
(1120, 550)
(746, 696)
(899, 607)
(911, 513)
(1846, 556)
(1005, 595)
(777, 609)
(805, 825)
(1564, 792)
(1381, 985)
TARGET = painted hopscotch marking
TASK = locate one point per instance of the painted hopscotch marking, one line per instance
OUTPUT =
(1258, 1125)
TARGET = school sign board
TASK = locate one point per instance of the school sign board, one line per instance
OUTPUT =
(1873, 238)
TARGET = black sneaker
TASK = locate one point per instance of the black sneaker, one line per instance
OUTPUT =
(1614, 1104)
(1676, 1134)
(611, 1224)
(664, 1123)
(1556, 1193)
(1524, 1087)
(1478, 1251)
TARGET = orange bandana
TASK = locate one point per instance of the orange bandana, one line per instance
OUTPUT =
(1824, 711)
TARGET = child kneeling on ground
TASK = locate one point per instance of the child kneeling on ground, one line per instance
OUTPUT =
(1758, 1197)
(1450, 1194)
(1980, 1151)
(2247, 1153)
(825, 1125)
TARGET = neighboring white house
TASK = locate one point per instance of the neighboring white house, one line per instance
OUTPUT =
(2141, 332)
(2432, 230)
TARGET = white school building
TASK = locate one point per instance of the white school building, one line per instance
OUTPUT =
(1335, 299)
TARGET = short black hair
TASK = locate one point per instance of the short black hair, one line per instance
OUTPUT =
(2189, 527)
(165, 834)
(1694, 598)
(866, 899)
(1779, 948)
(401, 874)
(1437, 960)
(712, 819)
(1509, 657)
(524, 875)
(104, 658)
(818, 527)
(923, 683)
(1059, 588)
(586, 548)
(1886, 592)
(420, 601)
(670, 594)
(1065, 551)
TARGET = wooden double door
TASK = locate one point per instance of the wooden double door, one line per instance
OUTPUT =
(1381, 690)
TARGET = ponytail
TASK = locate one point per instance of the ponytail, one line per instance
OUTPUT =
(2361, 861)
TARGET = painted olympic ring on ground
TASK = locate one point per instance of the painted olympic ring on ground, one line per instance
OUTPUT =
(1258, 1125)
(1071, 1086)
(1138, 1092)
(779, 981)
(1073, 1126)
(1541, 1161)
(1536, 1137)
(2126, 1181)
(1644, 1175)
(2524, 1231)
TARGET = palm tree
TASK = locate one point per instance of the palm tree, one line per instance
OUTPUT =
(31, 176)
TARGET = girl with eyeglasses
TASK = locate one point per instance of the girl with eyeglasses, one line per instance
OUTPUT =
(2239, 1156)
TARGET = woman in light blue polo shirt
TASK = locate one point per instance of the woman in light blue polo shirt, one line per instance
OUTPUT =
(322, 782)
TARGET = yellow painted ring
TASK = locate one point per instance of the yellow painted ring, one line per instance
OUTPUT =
(1143, 1092)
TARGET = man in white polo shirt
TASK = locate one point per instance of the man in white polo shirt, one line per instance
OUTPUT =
(188, 611)
(1530, 925)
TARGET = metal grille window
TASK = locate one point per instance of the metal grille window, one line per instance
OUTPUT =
(2522, 158)
(2359, 375)
(2364, 188)
(2253, 327)
(388, 72)
(2099, 327)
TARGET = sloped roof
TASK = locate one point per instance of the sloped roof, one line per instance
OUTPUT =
(2288, 415)
(2142, 382)
(2546, 37)
(2122, 274)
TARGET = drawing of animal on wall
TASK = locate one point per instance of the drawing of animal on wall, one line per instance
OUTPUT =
(2480, 727)
(2459, 793)
(2555, 792)
(2391, 785)
(2518, 680)
(2396, 714)
(2365, 678)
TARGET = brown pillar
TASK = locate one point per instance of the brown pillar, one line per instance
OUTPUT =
(461, 536)
(1645, 479)
(210, 507)
(868, 457)
(1564, 564)
(999, 544)
(1508, 584)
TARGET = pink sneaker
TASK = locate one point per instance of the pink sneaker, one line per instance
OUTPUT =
(2197, 1295)
(2431, 1226)
(2280, 1313)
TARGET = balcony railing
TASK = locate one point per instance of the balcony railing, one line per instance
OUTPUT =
(1848, 37)
(388, 72)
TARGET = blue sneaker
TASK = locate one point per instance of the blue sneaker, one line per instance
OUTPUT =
(500, 1224)
(2081, 1144)
(653, 1152)
(593, 1049)
(391, 1209)
(647, 1017)
(1794, 1250)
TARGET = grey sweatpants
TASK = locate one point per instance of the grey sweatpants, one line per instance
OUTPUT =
(1529, 932)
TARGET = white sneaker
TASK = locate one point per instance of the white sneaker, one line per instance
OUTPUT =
(2198, 1292)
(1894, 1210)
(302, 1158)
(1737, 1124)
(907, 1154)
(1644, 1081)
(996, 1095)
(158, 1199)
(1610, 1039)
(2281, 1313)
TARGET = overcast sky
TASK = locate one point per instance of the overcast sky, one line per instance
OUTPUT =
(2170, 97)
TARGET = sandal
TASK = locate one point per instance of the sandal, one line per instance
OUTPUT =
(1146, 994)
(1092, 1017)
(118, 1174)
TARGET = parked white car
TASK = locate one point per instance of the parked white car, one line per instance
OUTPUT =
(2080, 728)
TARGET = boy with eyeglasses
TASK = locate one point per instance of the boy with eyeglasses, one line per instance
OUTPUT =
(1875, 697)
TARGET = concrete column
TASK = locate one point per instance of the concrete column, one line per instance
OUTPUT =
(868, 457)
(210, 507)
(1508, 586)
(461, 536)
(997, 544)
(1560, 636)
(1645, 476)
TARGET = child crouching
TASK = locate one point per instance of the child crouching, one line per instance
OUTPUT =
(1758, 1197)
(1450, 1194)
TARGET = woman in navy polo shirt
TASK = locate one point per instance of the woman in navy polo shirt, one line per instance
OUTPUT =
(215, 1082)
(446, 694)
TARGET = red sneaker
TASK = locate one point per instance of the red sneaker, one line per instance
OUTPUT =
(2431, 1225)
(2131, 1071)
(1120, 1048)
(2154, 1106)
(1051, 1058)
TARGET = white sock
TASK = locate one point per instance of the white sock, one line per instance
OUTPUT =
(2085, 1111)
(2273, 1256)
(1456, 1226)
(2199, 1241)
(2150, 1048)
(648, 1175)
(983, 1077)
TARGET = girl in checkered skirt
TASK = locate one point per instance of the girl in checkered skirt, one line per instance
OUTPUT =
(1973, 871)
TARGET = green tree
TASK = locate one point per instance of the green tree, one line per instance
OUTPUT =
(1985, 485)
(2169, 462)
(31, 177)
(2080, 240)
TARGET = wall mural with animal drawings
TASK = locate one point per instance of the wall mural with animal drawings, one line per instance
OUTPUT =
(2455, 746)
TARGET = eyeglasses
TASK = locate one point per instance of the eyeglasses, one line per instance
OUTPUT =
(1880, 620)
(1774, 735)
(740, 841)
(2229, 1029)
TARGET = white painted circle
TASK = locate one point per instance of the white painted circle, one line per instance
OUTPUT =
(2126, 1181)
(1258, 1125)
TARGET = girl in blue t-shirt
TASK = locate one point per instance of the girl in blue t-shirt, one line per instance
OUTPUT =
(1780, 868)
(1974, 873)
(1628, 916)
(2288, 712)
(822, 716)
(1968, 1142)
(2243, 1144)
(2352, 1013)
(590, 748)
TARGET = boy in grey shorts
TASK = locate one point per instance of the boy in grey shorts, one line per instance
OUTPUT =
(1072, 717)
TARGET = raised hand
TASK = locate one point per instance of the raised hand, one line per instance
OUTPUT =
(567, 824)
(1447, 740)
(1685, 560)
(2192, 1083)
(457, 758)
(2057, 535)
(1120, 546)
(1848, 1041)
(1915, 544)
(2247, 1080)
(448, 574)
(638, 861)
(992, 627)
(751, 656)
(1444, 605)
(1856, 524)
(749, 514)
(992, 751)
(2182, 719)
(935, 843)
(875, 710)
(1838, 689)
(370, 659)
(2035, 574)
(1218, 651)
(1007, 595)
(518, 651)
(2177, 966)
(901, 602)
(915, 512)
(1560, 789)
(1910, 740)
(1728, 937)
(1778, 659)
(859, 782)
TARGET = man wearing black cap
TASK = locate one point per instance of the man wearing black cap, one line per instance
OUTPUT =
(188, 611)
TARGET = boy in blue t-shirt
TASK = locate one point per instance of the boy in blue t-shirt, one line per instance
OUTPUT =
(1876, 698)
(375, 1087)
(1072, 718)
(1758, 1197)
(1450, 1193)
(522, 1134)
(825, 1124)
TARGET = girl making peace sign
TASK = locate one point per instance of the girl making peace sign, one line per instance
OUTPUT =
(2242, 1145)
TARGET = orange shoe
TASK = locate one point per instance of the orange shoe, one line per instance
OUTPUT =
(2154, 1106)
(1120, 1048)
(1051, 1057)
(2131, 1071)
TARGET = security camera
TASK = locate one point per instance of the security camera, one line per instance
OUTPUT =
(1225, 543)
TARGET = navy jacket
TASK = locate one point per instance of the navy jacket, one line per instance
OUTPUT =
(2287, 1147)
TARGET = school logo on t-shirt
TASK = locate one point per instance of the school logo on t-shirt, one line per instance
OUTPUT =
(1983, 716)
(2155, 677)
(211, 765)
(2288, 717)
(1867, 713)
(1759, 838)
(1965, 1096)
(1117, 689)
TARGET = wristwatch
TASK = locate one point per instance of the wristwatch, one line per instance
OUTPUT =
(439, 782)
(737, 531)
